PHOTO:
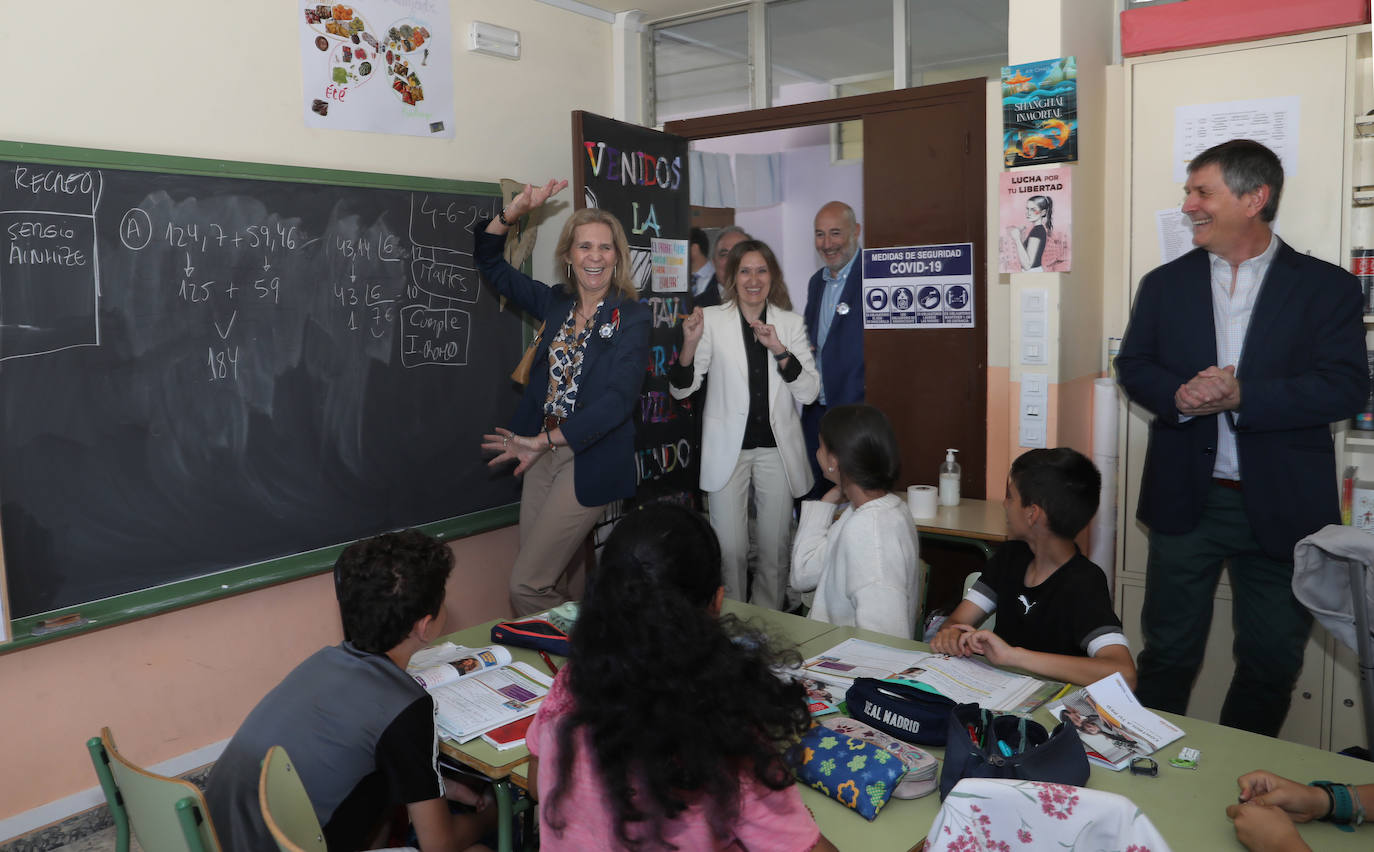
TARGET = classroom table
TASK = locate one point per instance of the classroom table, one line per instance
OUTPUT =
(1187, 806)
(979, 524)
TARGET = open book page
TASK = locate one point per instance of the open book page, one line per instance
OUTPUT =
(447, 662)
(473, 705)
(1113, 725)
(962, 679)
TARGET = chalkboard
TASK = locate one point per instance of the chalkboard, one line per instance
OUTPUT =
(207, 366)
(639, 175)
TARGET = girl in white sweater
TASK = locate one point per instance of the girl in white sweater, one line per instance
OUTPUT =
(863, 566)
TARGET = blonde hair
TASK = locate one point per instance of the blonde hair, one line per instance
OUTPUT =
(777, 288)
(620, 277)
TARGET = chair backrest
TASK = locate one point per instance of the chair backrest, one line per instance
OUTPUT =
(165, 814)
(286, 806)
(968, 584)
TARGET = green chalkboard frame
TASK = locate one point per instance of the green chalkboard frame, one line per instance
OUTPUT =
(159, 599)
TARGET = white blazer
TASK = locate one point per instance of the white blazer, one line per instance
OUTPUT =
(721, 352)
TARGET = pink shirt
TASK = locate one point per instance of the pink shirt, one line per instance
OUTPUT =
(769, 819)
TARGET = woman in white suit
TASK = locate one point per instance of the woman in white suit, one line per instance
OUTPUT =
(757, 353)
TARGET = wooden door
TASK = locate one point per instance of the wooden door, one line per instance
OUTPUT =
(924, 180)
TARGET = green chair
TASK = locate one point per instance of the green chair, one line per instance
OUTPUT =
(165, 814)
(286, 806)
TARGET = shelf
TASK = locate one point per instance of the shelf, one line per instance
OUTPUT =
(1353, 439)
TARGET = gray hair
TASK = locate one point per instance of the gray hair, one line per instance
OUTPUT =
(727, 230)
(1246, 165)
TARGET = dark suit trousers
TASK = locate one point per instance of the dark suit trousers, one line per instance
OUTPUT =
(1271, 627)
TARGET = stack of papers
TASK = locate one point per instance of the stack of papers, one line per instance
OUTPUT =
(961, 679)
(1113, 725)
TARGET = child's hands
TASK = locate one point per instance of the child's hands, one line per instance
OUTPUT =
(950, 639)
(1301, 802)
(1265, 828)
(990, 645)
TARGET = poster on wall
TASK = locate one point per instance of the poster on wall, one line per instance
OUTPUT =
(1273, 122)
(640, 176)
(1040, 112)
(381, 66)
(919, 286)
(1036, 215)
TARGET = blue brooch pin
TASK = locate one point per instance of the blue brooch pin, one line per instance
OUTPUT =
(842, 309)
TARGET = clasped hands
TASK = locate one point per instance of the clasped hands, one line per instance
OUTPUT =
(964, 640)
(1270, 805)
(1213, 390)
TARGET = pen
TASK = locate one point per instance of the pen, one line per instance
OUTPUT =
(548, 661)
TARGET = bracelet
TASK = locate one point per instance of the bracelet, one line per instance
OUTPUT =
(501, 215)
(783, 357)
(1343, 801)
(549, 437)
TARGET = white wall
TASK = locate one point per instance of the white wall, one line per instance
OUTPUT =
(810, 180)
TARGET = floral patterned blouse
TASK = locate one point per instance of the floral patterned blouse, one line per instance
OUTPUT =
(566, 352)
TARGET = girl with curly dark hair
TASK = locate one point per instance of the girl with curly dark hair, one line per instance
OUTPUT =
(665, 729)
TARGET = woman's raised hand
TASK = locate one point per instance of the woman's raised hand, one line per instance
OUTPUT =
(693, 326)
(532, 197)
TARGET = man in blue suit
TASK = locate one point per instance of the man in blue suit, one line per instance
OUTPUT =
(834, 322)
(1244, 350)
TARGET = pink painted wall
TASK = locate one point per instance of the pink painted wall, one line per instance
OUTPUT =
(173, 683)
(1199, 23)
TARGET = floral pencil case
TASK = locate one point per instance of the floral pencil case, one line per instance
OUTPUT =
(857, 774)
(921, 767)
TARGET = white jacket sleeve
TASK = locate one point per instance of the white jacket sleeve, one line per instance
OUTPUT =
(701, 362)
(811, 543)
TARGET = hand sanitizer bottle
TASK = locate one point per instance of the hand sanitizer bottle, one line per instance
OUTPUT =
(949, 480)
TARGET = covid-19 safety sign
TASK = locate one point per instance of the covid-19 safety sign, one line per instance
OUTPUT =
(919, 287)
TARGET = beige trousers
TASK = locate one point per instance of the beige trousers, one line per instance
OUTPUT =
(553, 526)
(729, 510)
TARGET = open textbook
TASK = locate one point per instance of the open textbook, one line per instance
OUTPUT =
(1113, 725)
(962, 679)
(477, 689)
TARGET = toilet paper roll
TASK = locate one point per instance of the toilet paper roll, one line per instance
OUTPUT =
(922, 499)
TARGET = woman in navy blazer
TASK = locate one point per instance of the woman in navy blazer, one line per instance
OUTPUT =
(572, 436)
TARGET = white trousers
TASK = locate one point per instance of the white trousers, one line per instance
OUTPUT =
(729, 509)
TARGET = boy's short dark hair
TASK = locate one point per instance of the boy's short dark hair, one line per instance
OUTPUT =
(1063, 482)
(387, 583)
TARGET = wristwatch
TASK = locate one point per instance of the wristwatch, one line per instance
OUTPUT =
(783, 356)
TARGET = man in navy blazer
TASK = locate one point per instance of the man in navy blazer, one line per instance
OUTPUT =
(1244, 350)
(834, 322)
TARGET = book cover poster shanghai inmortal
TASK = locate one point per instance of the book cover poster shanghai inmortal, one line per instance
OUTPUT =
(1040, 112)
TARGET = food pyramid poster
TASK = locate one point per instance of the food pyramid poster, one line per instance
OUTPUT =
(1040, 112)
(381, 66)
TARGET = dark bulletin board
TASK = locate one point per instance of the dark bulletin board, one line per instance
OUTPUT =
(640, 176)
(213, 374)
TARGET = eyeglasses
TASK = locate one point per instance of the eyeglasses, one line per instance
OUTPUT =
(1144, 766)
